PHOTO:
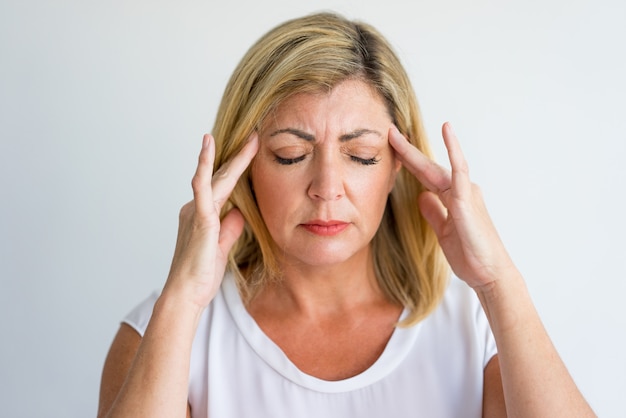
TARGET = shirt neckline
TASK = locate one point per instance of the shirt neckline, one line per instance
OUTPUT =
(397, 348)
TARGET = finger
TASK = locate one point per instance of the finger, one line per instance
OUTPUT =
(226, 177)
(461, 184)
(201, 182)
(430, 174)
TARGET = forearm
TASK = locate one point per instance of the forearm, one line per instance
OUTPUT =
(536, 383)
(157, 382)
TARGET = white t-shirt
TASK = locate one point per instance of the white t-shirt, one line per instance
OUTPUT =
(433, 369)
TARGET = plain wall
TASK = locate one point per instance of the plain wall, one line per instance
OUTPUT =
(102, 110)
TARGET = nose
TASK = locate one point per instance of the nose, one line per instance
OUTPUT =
(327, 179)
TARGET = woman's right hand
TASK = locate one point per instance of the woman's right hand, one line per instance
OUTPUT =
(150, 373)
(203, 240)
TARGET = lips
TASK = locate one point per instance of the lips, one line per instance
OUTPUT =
(325, 228)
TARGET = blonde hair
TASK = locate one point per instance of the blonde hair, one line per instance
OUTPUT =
(312, 54)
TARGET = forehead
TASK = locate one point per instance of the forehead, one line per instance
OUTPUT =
(350, 103)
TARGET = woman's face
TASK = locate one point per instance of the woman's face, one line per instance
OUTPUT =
(323, 173)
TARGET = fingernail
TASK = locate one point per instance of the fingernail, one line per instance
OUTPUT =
(450, 128)
(205, 140)
(397, 132)
(252, 136)
(253, 140)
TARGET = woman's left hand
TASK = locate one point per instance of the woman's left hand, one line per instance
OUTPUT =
(455, 209)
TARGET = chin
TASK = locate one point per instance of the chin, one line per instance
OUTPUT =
(328, 256)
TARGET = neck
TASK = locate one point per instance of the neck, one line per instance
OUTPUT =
(316, 291)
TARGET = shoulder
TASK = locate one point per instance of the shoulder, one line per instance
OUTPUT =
(460, 298)
(140, 315)
(460, 320)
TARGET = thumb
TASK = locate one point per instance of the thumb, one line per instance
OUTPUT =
(230, 229)
(433, 211)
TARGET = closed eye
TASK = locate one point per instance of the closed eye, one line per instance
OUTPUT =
(289, 161)
(295, 160)
(365, 161)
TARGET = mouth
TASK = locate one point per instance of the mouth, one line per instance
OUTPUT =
(325, 228)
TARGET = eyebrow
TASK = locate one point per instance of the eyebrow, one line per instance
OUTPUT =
(295, 132)
(358, 133)
(343, 138)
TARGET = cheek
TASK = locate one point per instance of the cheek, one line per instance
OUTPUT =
(379, 181)
(273, 192)
(371, 189)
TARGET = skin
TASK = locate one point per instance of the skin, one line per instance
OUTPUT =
(326, 158)
(534, 380)
(329, 276)
(144, 376)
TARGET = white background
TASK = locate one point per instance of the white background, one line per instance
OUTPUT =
(102, 110)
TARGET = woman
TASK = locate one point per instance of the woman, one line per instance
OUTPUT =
(308, 277)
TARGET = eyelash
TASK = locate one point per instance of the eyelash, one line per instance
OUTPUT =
(365, 161)
(290, 161)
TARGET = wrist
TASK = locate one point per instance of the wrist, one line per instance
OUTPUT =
(506, 301)
(179, 303)
(190, 289)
